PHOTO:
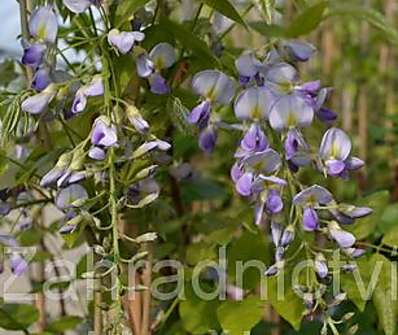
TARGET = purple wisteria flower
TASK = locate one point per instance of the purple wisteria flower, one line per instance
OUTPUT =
(41, 79)
(320, 265)
(124, 41)
(249, 68)
(297, 51)
(254, 140)
(208, 139)
(93, 89)
(33, 54)
(68, 197)
(161, 57)
(79, 6)
(254, 103)
(136, 120)
(215, 88)
(308, 199)
(103, 134)
(297, 151)
(291, 111)
(18, 264)
(343, 238)
(335, 152)
(38, 103)
(43, 24)
(254, 168)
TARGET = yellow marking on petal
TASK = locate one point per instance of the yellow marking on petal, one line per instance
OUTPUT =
(335, 151)
(291, 120)
(256, 112)
(42, 31)
(159, 63)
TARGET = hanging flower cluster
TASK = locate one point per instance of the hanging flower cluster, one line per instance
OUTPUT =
(275, 107)
(91, 158)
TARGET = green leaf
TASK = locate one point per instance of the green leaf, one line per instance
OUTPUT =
(389, 218)
(189, 41)
(238, 317)
(17, 316)
(268, 30)
(198, 316)
(126, 9)
(350, 284)
(202, 189)
(289, 306)
(247, 248)
(307, 20)
(391, 238)
(384, 296)
(201, 251)
(64, 323)
(366, 226)
(226, 9)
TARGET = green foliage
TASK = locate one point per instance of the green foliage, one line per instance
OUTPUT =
(226, 8)
(385, 295)
(237, 317)
(17, 316)
(65, 323)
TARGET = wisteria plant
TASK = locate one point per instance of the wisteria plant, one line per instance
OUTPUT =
(194, 178)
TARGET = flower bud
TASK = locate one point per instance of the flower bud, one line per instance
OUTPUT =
(320, 265)
(287, 236)
(136, 120)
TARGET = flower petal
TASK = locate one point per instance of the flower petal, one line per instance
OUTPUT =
(208, 139)
(254, 103)
(310, 219)
(214, 85)
(77, 6)
(335, 145)
(43, 24)
(163, 55)
(290, 111)
(312, 195)
(67, 196)
(244, 184)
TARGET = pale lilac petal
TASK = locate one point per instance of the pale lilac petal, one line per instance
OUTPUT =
(354, 163)
(79, 102)
(321, 267)
(163, 56)
(274, 203)
(335, 145)
(290, 111)
(236, 172)
(158, 84)
(18, 264)
(137, 121)
(208, 139)
(276, 233)
(265, 162)
(52, 176)
(41, 79)
(67, 196)
(298, 50)
(244, 184)
(335, 167)
(281, 77)
(33, 55)
(248, 65)
(254, 103)
(200, 114)
(43, 24)
(273, 180)
(287, 236)
(77, 6)
(97, 154)
(313, 195)
(36, 104)
(95, 87)
(254, 140)
(343, 238)
(310, 219)
(214, 85)
(145, 66)
(103, 133)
